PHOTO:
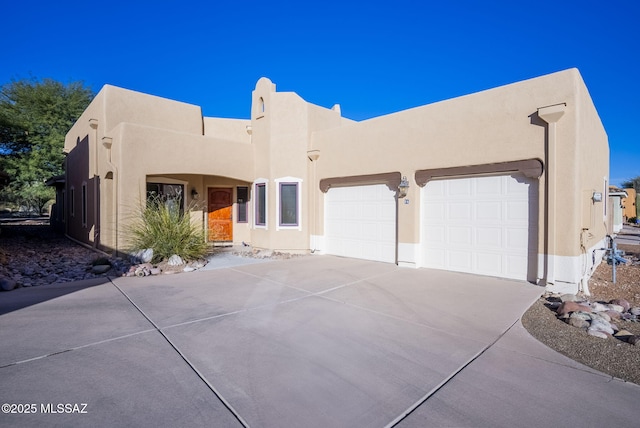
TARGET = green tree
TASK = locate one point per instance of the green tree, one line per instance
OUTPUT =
(34, 119)
(632, 183)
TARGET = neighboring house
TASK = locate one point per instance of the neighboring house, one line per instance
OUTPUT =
(629, 204)
(616, 196)
(509, 182)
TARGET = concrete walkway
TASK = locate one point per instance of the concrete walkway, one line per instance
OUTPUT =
(316, 341)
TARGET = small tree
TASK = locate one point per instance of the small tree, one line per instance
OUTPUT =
(34, 119)
(163, 227)
(633, 183)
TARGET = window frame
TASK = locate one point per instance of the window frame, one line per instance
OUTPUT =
(260, 183)
(242, 206)
(279, 184)
(165, 181)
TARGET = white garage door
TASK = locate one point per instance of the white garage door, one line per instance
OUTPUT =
(479, 225)
(360, 222)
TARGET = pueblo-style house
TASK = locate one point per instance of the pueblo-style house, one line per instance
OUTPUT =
(510, 182)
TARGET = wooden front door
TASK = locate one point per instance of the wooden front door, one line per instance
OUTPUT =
(220, 215)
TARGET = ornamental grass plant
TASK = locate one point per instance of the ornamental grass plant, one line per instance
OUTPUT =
(162, 226)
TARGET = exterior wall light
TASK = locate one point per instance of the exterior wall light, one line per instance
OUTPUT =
(403, 187)
(194, 193)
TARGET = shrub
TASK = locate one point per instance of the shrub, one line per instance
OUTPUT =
(162, 227)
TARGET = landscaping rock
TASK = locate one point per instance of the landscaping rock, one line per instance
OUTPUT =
(598, 307)
(597, 333)
(621, 302)
(578, 322)
(567, 307)
(623, 335)
(143, 256)
(7, 284)
(596, 317)
(100, 269)
(175, 260)
(568, 298)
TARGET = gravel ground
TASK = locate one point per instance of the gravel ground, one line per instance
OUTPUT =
(612, 356)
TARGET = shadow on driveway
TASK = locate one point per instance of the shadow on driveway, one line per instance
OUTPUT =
(23, 297)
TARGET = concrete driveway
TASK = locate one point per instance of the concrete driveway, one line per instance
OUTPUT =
(316, 341)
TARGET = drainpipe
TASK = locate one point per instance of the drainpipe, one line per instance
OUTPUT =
(93, 123)
(107, 142)
(313, 156)
(551, 115)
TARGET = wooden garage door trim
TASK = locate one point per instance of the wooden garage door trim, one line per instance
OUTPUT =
(531, 168)
(390, 179)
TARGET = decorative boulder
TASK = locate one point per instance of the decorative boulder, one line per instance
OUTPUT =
(568, 307)
(7, 284)
(143, 256)
(100, 269)
(175, 260)
(621, 302)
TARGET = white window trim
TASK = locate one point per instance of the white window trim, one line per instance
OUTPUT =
(254, 205)
(285, 180)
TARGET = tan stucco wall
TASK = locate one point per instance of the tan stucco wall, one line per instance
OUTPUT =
(133, 136)
(165, 140)
(496, 125)
(228, 129)
(281, 139)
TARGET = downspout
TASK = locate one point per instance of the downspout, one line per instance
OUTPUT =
(313, 156)
(107, 142)
(551, 115)
(93, 123)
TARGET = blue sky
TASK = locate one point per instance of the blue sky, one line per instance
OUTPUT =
(372, 58)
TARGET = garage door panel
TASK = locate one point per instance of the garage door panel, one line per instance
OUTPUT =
(490, 187)
(461, 211)
(435, 212)
(486, 263)
(458, 188)
(459, 260)
(360, 222)
(488, 211)
(518, 211)
(461, 235)
(489, 237)
(517, 239)
(435, 234)
(498, 210)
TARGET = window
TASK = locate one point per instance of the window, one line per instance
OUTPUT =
(261, 203)
(172, 195)
(288, 202)
(84, 204)
(242, 195)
